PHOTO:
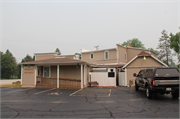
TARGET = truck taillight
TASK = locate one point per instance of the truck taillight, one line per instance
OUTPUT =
(152, 82)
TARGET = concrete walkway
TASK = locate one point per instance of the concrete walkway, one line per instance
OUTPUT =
(2, 82)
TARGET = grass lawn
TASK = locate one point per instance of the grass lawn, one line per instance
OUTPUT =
(11, 85)
(9, 79)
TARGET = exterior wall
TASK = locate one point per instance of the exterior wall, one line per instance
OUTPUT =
(138, 65)
(54, 71)
(121, 54)
(103, 79)
(131, 53)
(149, 62)
(43, 57)
(70, 72)
(99, 57)
(28, 76)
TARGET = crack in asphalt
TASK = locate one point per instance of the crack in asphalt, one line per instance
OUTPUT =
(28, 93)
(86, 99)
(54, 107)
(111, 114)
(96, 97)
(39, 102)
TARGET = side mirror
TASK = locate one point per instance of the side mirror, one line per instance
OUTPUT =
(134, 75)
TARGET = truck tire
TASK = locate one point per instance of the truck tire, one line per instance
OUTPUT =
(149, 92)
(136, 87)
(175, 95)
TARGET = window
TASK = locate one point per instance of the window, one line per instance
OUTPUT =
(46, 72)
(106, 55)
(149, 73)
(92, 55)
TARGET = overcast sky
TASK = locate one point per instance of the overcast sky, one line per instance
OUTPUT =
(34, 26)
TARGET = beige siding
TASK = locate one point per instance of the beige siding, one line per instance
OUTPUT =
(131, 53)
(28, 76)
(70, 72)
(54, 71)
(99, 57)
(121, 54)
(43, 57)
(149, 62)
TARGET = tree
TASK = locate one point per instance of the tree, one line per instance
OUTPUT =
(28, 58)
(157, 52)
(8, 65)
(58, 51)
(174, 43)
(164, 46)
(134, 43)
(34, 58)
(79, 55)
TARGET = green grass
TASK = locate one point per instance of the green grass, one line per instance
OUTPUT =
(11, 85)
(9, 79)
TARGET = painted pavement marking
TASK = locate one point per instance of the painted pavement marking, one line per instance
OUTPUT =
(44, 91)
(16, 90)
(109, 92)
(75, 92)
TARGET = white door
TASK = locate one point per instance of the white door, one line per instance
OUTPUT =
(121, 78)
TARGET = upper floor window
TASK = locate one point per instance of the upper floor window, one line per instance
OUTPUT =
(125, 56)
(106, 55)
(92, 55)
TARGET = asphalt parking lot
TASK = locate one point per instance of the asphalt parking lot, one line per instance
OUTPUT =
(122, 102)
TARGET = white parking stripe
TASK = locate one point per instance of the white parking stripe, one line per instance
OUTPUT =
(44, 91)
(75, 92)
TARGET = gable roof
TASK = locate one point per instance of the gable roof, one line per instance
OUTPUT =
(144, 54)
(136, 48)
(55, 60)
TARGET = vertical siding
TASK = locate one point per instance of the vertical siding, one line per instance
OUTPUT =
(70, 72)
(28, 76)
(54, 71)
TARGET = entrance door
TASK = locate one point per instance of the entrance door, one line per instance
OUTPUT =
(121, 78)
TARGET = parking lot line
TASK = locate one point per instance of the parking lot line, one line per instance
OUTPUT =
(44, 91)
(16, 90)
(109, 92)
(75, 92)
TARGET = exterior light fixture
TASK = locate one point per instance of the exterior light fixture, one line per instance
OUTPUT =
(144, 58)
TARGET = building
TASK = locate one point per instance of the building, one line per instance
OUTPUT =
(107, 67)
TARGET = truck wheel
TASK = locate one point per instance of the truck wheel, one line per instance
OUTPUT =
(175, 95)
(136, 87)
(149, 93)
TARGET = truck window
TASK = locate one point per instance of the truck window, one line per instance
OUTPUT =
(166, 72)
(149, 73)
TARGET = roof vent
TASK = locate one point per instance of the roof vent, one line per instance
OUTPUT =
(128, 45)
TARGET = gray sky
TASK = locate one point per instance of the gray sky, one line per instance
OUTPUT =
(36, 26)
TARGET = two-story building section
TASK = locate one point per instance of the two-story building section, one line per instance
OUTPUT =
(126, 60)
(119, 55)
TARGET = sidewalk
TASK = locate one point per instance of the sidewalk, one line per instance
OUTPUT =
(2, 82)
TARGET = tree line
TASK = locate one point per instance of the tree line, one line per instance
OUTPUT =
(11, 69)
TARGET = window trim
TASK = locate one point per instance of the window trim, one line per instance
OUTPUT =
(105, 55)
(49, 70)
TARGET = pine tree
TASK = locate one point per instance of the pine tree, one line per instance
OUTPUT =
(164, 46)
(58, 51)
